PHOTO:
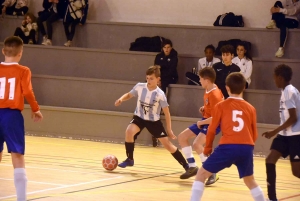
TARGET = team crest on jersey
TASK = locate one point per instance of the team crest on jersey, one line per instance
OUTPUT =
(206, 101)
(146, 107)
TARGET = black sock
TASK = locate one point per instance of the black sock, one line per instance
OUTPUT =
(271, 180)
(129, 149)
(179, 157)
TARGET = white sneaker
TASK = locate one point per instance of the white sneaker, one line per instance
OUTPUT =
(48, 42)
(280, 52)
(271, 25)
(44, 40)
(68, 43)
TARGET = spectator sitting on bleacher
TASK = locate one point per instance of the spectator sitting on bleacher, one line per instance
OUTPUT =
(28, 30)
(76, 13)
(224, 68)
(53, 11)
(167, 60)
(14, 7)
(208, 61)
(284, 17)
(244, 61)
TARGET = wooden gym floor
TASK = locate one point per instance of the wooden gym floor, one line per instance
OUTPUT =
(63, 170)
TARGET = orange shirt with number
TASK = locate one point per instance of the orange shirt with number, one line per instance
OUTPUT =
(15, 84)
(211, 98)
(238, 123)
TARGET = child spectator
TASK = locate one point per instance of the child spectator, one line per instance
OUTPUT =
(76, 13)
(168, 61)
(244, 61)
(208, 61)
(28, 30)
(51, 13)
(284, 17)
(14, 7)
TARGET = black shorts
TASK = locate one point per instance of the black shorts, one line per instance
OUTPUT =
(156, 128)
(288, 146)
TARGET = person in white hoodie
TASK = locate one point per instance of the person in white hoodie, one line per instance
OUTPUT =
(14, 7)
(284, 17)
(28, 30)
(244, 61)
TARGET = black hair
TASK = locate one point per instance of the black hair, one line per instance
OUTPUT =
(284, 71)
(210, 47)
(166, 42)
(227, 49)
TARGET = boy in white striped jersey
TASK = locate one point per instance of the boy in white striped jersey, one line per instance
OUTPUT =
(150, 100)
(287, 142)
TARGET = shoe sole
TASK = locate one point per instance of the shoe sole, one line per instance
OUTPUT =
(206, 184)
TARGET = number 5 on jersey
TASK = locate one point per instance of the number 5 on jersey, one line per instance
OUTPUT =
(235, 118)
(12, 83)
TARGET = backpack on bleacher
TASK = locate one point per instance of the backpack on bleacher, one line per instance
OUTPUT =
(229, 20)
(234, 43)
(147, 44)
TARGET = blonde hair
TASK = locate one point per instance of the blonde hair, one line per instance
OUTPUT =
(12, 46)
(153, 70)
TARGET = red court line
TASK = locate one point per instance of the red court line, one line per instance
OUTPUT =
(290, 197)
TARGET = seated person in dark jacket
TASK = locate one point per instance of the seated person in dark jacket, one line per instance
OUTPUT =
(167, 60)
(224, 68)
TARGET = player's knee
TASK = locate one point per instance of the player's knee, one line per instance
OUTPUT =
(181, 138)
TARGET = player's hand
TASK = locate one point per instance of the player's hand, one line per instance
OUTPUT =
(118, 102)
(201, 110)
(171, 134)
(275, 10)
(207, 151)
(269, 134)
(36, 116)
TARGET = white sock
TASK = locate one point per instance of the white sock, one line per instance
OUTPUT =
(257, 194)
(20, 180)
(188, 153)
(202, 157)
(197, 191)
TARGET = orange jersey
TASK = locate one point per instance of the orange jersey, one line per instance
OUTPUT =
(238, 123)
(15, 84)
(211, 98)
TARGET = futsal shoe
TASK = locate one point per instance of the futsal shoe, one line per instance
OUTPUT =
(191, 171)
(271, 25)
(212, 179)
(127, 162)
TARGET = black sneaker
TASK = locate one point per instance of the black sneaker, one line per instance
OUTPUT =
(212, 179)
(192, 171)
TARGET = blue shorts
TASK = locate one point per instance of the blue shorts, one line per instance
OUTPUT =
(225, 155)
(12, 130)
(195, 129)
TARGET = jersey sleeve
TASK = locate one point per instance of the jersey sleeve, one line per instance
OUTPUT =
(134, 91)
(163, 101)
(210, 136)
(290, 100)
(28, 91)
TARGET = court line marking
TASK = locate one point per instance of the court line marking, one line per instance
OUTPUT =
(61, 187)
(37, 182)
(287, 198)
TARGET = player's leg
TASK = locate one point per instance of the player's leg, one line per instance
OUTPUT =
(198, 185)
(14, 135)
(279, 148)
(254, 188)
(183, 139)
(133, 128)
(294, 147)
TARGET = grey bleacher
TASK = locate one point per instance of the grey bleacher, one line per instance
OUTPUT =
(99, 94)
(187, 39)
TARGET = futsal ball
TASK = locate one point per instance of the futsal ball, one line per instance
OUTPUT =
(110, 162)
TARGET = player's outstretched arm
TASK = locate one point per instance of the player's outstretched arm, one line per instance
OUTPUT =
(168, 122)
(204, 122)
(36, 116)
(289, 122)
(125, 97)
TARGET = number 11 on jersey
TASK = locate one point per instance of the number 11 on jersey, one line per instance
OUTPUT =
(12, 83)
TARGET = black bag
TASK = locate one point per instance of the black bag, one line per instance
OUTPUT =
(234, 43)
(147, 44)
(229, 20)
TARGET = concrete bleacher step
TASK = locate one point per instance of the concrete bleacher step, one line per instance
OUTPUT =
(187, 39)
(99, 94)
(109, 126)
(130, 66)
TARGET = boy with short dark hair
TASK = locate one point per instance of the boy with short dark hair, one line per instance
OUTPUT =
(224, 68)
(15, 84)
(237, 119)
(287, 142)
